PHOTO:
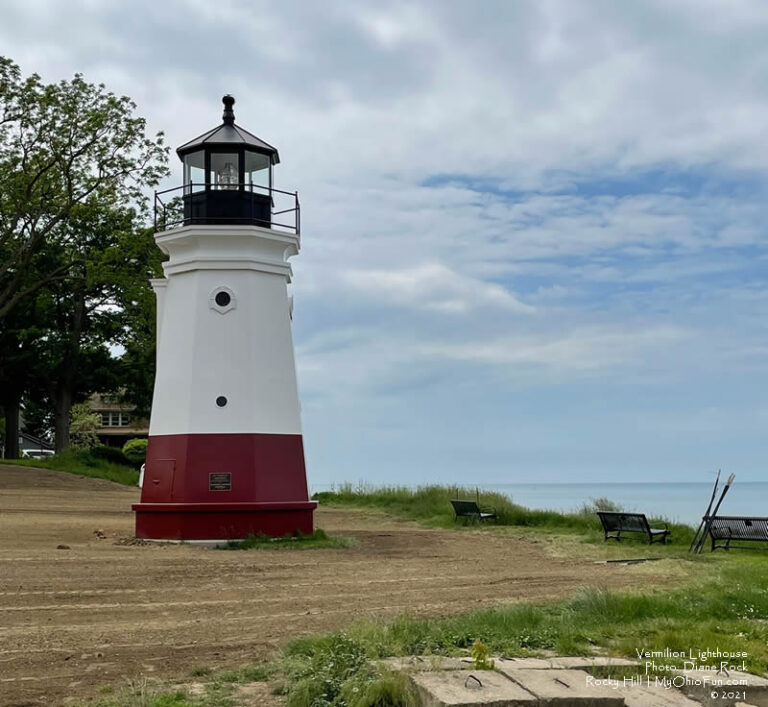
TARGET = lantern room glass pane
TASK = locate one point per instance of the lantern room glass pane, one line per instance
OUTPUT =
(257, 173)
(194, 172)
(225, 170)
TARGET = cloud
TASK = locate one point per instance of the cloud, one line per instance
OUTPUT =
(567, 197)
(581, 350)
(431, 286)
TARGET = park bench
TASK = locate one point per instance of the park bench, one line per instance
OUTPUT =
(470, 509)
(620, 522)
(739, 528)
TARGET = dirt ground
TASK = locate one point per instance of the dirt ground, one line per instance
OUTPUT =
(98, 612)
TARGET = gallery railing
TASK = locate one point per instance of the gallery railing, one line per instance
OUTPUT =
(241, 204)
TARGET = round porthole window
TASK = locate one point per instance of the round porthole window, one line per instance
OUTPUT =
(222, 300)
(221, 401)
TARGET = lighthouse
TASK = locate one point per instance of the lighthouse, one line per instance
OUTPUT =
(225, 456)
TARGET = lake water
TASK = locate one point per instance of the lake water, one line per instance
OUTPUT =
(677, 502)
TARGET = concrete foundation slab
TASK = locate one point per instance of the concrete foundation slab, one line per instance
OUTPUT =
(581, 662)
(563, 688)
(422, 663)
(526, 663)
(735, 688)
(652, 696)
(476, 688)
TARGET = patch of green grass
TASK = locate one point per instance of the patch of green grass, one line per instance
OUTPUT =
(217, 690)
(298, 541)
(142, 692)
(82, 463)
(335, 670)
(430, 505)
(257, 672)
(728, 611)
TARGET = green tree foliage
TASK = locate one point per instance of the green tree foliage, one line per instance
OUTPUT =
(83, 427)
(62, 146)
(136, 450)
(87, 318)
(75, 257)
(18, 357)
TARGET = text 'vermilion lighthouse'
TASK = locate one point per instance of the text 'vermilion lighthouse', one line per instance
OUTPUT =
(225, 456)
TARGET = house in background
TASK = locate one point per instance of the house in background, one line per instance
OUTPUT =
(118, 422)
(34, 447)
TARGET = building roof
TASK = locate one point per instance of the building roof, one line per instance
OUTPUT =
(229, 134)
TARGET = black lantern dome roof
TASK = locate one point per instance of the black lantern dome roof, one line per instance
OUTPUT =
(228, 134)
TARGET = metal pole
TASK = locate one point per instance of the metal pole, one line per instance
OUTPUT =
(706, 513)
(702, 539)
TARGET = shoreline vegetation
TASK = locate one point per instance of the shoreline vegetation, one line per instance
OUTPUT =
(716, 602)
(430, 506)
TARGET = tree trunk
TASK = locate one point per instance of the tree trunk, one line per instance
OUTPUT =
(64, 394)
(62, 409)
(11, 411)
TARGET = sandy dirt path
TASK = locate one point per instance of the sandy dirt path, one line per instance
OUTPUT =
(72, 620)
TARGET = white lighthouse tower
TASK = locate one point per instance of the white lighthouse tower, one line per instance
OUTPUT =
(225, 456)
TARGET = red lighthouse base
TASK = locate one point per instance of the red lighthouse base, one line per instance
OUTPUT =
(221, 521)
(223, 487)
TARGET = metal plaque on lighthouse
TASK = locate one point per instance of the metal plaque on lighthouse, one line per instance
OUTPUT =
(225, 456)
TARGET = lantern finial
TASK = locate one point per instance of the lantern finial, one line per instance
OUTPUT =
(229, 114)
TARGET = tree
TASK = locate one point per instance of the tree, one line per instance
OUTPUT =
(19, 356)
(83, 427)
(75, 165)
(93, 313)
(136, 450)
(63, 146)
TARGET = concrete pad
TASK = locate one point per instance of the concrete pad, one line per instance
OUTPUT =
(455, 688)
(526, 663)
(736, 688)
(655, 696)
(563, 688)
(422, 663)
(581, 662)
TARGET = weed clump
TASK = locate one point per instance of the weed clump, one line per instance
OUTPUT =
(296, 541)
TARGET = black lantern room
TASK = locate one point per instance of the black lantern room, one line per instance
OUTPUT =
(228, 175)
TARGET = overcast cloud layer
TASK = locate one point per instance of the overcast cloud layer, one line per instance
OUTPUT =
(533, 232)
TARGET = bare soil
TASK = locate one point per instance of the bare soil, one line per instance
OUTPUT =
(82, 607)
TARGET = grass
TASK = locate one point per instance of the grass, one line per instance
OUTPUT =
(214, 689)
(720, 603)
(82, 463)
(729, 612)
(298, 541)
(430, 505)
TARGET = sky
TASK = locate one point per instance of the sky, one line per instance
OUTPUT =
(533, 232)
